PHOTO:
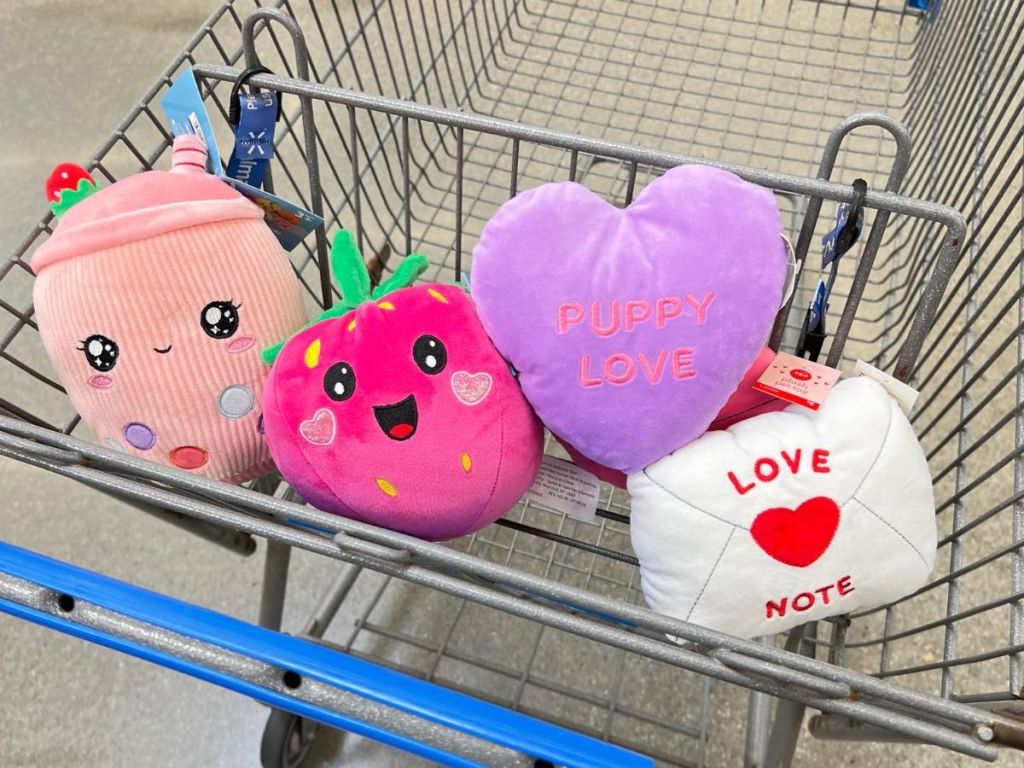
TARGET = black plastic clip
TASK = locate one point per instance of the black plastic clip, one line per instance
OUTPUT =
(809, 346)
(812, 339)
(234, 111)
(851, 229)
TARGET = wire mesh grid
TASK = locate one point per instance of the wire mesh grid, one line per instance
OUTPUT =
(758, 83)
(615, 695)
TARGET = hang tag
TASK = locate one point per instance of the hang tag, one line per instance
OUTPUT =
(564, 487)
(904, 394)
(186, 113)
(798, 381)
(290, 223)
(254, 137)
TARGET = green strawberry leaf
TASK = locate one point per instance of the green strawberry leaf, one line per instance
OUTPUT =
(353, 280)
(414, 265)
(349, 270)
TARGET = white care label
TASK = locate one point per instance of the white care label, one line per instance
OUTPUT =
(562, 486)
(904, 394)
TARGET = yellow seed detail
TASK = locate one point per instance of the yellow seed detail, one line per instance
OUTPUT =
(386, 305)
(352, 325)
(437, 295)
(313, 354)
(387, 486)
(467, 463)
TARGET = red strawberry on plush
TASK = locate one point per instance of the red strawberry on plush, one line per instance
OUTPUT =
(395, 408)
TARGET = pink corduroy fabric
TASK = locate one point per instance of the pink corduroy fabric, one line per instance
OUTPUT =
(172, 284)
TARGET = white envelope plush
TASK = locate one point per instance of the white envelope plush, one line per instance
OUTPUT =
(787, 517)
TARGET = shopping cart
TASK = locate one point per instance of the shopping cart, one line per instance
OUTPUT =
(409, 123)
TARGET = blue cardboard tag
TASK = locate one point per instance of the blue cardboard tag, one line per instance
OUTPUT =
(290, 223)
(186, 113)
(254, 137)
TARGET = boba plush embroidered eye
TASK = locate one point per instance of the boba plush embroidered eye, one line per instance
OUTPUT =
(100, 352)
(135, 281)
(219, 319)
(395, 408)
(430, 354)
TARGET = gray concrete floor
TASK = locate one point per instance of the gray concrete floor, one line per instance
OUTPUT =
(73, 69)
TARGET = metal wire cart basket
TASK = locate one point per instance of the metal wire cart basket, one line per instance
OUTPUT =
(409, 124)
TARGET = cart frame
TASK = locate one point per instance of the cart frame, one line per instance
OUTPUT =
(444, 162)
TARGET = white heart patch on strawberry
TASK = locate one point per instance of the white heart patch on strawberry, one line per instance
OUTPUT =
(320, 429)
(471, 388)
(788, 517)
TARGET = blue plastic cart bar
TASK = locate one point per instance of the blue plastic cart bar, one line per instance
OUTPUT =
(431, 702)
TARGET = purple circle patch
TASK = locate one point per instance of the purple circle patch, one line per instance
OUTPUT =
(139, 436)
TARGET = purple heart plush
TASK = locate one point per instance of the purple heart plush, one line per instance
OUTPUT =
(631, 327)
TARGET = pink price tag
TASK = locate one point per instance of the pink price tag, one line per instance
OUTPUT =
(796, 380)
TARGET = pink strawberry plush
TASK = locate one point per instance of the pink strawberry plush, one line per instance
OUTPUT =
(395, 408)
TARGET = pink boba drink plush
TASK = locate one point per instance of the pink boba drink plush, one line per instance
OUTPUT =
(154, 297)
(395, 408)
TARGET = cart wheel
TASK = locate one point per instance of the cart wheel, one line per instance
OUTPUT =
(286, 740)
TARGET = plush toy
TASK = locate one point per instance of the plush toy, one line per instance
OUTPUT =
(154, 297)
(631, 327)
(788, 517)
(396, 409)
(744, 403)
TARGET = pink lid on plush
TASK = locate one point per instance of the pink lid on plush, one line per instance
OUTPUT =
(146, 205)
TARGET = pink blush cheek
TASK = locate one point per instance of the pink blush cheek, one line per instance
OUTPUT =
(240, 344)
(99, 381)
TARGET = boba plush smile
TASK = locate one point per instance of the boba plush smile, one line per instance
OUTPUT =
(220, 320)
(395, 408)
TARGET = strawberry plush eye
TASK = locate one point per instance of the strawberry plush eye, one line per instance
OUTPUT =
(340, 382)
(219, 319)
(100, 352)
(429, 354)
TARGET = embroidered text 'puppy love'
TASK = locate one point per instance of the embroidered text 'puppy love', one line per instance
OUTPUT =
(624, 316)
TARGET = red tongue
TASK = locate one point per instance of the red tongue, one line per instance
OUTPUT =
(400, 430)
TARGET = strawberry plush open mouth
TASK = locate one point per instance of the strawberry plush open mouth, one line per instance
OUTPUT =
(399, 419)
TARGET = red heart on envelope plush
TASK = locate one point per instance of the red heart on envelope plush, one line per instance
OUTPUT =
(797, 536)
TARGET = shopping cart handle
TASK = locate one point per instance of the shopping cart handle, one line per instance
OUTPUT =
(495, 724)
